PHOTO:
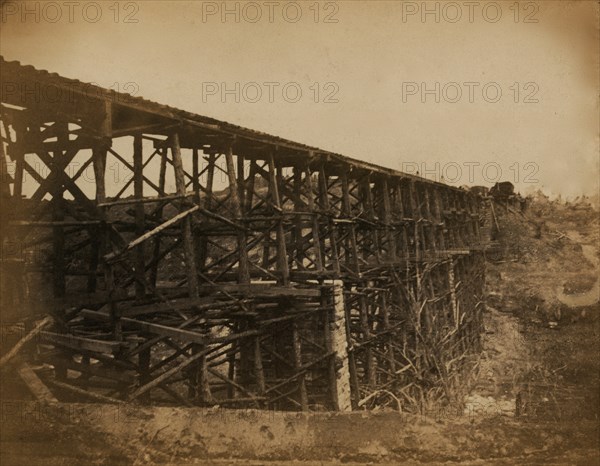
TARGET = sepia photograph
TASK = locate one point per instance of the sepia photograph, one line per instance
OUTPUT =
(299, 233)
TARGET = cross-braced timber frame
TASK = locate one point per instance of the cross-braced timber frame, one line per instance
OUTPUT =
(232, 267)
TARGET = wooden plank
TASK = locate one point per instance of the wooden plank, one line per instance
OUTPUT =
(35, 385)
(166, 331)
(158, 127)
(203, 240)
(243, 270)
(225, 220)
(297, 355)
(197, 305)
(282, 262)
(74, 342)
(58, 214)
(186, 225)
(64, 223)
(259, 372)
(387, 218)
(352, 255)
(331, 230)
(315, 227)
(231, 382)
(256, 290)
(156, 254)
(151, 233)
(166, 375)
(92, 395)
(138, 188)
(145, 200)
(27, 338)
(96, 370)
(78, 300)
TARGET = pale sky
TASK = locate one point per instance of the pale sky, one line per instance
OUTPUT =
(373, 61)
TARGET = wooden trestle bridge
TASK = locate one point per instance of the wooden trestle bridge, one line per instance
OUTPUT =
(232, 267)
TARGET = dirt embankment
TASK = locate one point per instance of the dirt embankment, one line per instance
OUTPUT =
(72, 434)
(543, 284)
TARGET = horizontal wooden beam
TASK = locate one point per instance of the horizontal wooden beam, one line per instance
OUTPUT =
(76, 343)
(144, 200)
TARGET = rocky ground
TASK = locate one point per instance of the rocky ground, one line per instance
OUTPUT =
(534, 400)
